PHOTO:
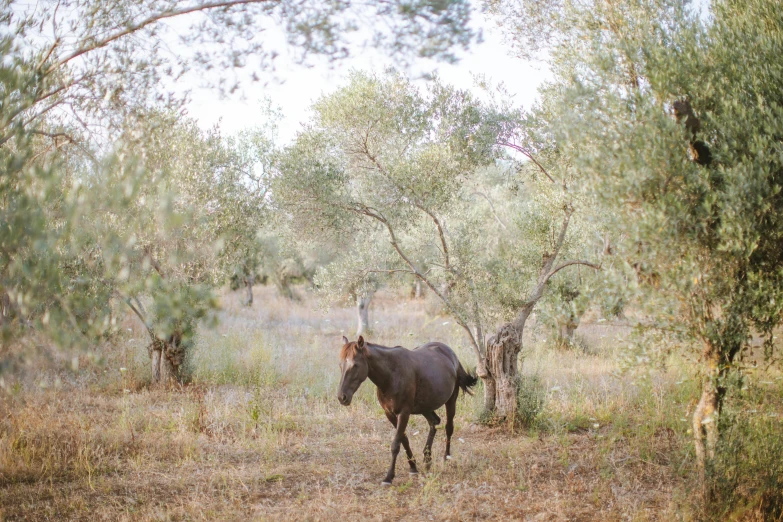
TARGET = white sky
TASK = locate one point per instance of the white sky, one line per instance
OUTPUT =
(296, 87)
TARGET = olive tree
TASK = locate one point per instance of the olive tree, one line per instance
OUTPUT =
(346, 278)
(562, 310)
(255, 149)
(189, 210)
(382, 157)
(674, 119)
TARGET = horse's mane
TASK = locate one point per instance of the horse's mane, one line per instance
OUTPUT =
(350, 350)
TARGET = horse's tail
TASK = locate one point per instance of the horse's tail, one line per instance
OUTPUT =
(465, 380)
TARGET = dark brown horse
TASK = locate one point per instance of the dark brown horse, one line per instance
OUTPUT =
(409, 382)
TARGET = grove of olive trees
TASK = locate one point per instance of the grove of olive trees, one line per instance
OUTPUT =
(381, 155)
(642, 190)
(110, 197)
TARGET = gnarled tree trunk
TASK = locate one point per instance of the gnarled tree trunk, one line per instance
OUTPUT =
(705, 425)
(169, 371)
(707, 412)
(155, 350)
(566, 325)
(249, 280)
(501, 384)
(502, 351)
(363, 312)
(167, 358)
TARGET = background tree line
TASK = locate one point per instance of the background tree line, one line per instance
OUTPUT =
(111, 196)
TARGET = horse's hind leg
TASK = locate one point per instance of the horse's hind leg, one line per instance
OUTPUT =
(451, 409)
(433, 420)
(405, 444)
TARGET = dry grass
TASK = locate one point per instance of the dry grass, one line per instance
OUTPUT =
(259, 435)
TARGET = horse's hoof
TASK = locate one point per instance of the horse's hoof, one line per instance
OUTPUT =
(384, 483)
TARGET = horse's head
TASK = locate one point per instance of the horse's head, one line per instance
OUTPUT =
(354, 368)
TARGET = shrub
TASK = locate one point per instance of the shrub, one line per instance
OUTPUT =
(745, 480)
(531, 396)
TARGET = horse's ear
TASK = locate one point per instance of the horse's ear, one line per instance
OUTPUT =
(345, 340)
(360, 342)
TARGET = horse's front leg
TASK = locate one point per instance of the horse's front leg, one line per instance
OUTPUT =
(405, 444)
(402, 423)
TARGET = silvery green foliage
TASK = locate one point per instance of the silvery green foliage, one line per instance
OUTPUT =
(568, 35)
(356, 267)
(283, 261)
(92, 55)
(187, 209)
(562, 308)
(409, 181)
(145, 226)
(383, 159)
(245, 251)
(82, 193)
(702, 238)
(673, 120)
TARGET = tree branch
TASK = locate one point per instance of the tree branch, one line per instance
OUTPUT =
(54, 135)
(54, 146)
(549, 260)
(10, 118)
(128, 302)
(54, 45)
(529, 156)
(132, 28)
(492, 207)
(154, 263)
(413, 201)
(442, 237)
(390, 271)
(41, 112)
(569, 263)
(561, 236)
(393, 240)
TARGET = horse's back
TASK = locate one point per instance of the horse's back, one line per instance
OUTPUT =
(438, 351)
(435, 366)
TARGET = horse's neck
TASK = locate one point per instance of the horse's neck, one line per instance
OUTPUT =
(380, 366)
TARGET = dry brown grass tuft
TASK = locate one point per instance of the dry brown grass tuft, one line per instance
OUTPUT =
(259, 435)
